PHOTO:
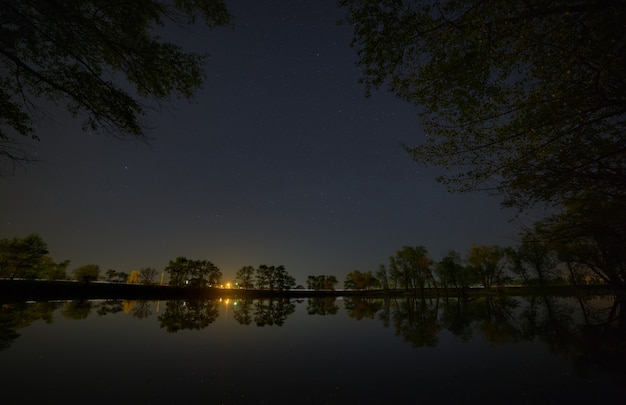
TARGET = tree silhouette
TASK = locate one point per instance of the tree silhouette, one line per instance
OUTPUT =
(322, 282)
(526, 100)
(273, 278)
(412, 267)
(529, 96)
(103, 59)
(147, 275)
(488, 263)
(198, 273)
(245, 276)
(357, 280)
(22, 258)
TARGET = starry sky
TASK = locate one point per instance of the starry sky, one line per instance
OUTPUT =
(279, 159)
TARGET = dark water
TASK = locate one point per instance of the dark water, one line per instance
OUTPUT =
(327, 351)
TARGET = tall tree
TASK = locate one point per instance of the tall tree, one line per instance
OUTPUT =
(262, 278)
(526, 99)
(198, 273)
(274, 277)
(49, 270)
(590, 235)
(178, 271)
(383, 276)
(245, 276)
(86, 53)
(451, 271)
(280, 279)
(358, 280)
(322, 282)
(534, 259)
(204, 273)
(23, 257)
(147, 275)
(488, 264)
(412, 267)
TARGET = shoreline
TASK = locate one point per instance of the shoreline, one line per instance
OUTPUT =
(39, 290)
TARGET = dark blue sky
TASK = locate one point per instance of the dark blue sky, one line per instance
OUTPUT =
(279, 159)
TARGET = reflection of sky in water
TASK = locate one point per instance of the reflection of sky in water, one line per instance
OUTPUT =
(117, 358)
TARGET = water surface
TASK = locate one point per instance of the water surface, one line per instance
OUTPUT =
(313, 351)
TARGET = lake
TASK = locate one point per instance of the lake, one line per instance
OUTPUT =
(513, 350)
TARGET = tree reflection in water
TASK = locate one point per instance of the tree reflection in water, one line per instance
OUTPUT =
(272, 312)
(322, 306)
(589, 330)
(188, 315)
(77, 310)
(21, 315)
(242, 312)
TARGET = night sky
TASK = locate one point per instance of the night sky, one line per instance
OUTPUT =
(279, 159)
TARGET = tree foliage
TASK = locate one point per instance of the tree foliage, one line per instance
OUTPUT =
(525, 98)
(133, 277)
(411, 267)
(322, 282)
(245, 277)
(273, 278)
(102, 59)
(589, 235)
(452, 272)
(87, 273)
(358, 280)
(534, 260)
(488, 264)
(28, 258)
(382, 275)
(20, 257)
(197, 273)
(114, 276)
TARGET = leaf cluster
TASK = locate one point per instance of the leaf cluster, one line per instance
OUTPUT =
(525, 99)
(100, 59)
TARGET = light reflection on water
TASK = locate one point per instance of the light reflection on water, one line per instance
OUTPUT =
(313, 351)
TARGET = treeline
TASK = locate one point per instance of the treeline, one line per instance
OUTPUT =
(28, 258)
(539, 259)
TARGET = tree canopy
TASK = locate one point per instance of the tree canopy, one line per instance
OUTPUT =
(196, 273)
(100, 59)
(87, 273)
(274, 278)
(524, 98)
(28, 258)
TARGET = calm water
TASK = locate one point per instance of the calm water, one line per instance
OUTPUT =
(344, 351)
